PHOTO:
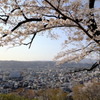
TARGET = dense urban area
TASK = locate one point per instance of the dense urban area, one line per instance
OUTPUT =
(41, 78)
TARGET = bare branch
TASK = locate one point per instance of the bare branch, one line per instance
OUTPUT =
(32, 40)
(14, 9)
(30, 43)
(95, 65)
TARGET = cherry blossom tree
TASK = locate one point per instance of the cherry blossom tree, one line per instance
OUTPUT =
(78, 20)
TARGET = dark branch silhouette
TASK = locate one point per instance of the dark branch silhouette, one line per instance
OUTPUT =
(91, 3)
(34, 35)
(95, 65)
(93, 26)
(30, 43)
(25, 21)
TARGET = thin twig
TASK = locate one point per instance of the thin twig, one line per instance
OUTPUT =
(32, 40)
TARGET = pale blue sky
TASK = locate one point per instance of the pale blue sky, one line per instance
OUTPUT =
(43, 48)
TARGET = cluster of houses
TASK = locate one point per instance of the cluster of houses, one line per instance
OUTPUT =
(42, 78)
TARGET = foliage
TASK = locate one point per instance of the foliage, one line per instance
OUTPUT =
(78, 19)
(48, 94)
(91, 91)
(12, 97)
(26, 93)
(52, 94)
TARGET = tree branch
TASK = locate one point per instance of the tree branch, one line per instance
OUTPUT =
(93, 26)
(86, 32)
(6, 19)
(95, 65)
(91, 3)
(25, 21)
(21, 10)
(64, 16)
(75, 21)
(32, 40)
(14, 9)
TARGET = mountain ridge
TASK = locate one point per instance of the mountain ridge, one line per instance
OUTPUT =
(31, 64)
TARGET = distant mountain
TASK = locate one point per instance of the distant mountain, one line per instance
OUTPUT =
(26, 64)
(40, 64)
(87, 60)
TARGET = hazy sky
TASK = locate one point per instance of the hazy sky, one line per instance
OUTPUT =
(43, 48)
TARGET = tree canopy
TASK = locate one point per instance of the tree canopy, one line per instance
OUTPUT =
(86, 92)
(78, 20)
